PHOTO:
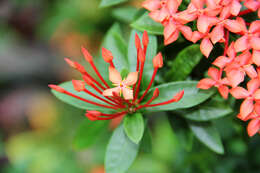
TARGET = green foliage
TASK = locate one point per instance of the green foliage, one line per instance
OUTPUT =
(146, 143)
(192, 95)
(125, 14)
(209, 110)
(134, 127)
(208, 135)
(146, 23)
(88, 133)
(108, 3)
(121, 152)
(183, 64)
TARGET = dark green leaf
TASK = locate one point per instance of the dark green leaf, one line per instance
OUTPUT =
(151, 52)
(146, 143)
(107, 3)
(121, 152)
(146, 23)
(192, 95)
(185, 61)
(76, 102)
(182, 131)
(208, 111)
(134, 127)
(208, 135)
(125, 14)
(88, 133)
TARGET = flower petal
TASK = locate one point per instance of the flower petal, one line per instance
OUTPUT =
(221, 61)
(255, 43)
(235, 77)
(128, 94)
(235, 7)
(151, 5)
(206, 83)
(223, 90)
(109, 92)
(217, 34)
(253, 127)
(256, 57)
(206, 47)
(114, 75)
(131, 79)
(214, 73)
(246, 108)
(239, 93)
(250, 71)
(241, 44)
(253, 85)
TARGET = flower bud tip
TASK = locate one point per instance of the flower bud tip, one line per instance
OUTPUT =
(86, 54)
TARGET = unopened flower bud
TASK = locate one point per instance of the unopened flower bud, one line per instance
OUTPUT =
(107, 55)
(178, 96)
(156, 93)
(158, 61)
(86, 54)
(78, 85)
(145, 39)
(91, 117)
(141, 55)
(87, 80)
(137, 42)
(57, 88)
(70, 63)
(79, 67)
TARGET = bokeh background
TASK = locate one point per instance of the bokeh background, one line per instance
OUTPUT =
(37, 130)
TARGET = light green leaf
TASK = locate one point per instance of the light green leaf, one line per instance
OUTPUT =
(88, 133)
(208, 135)
(148, 24)
(107, 3)
(151, 52)
(184, 63)
(121, 152)
(125, 14)
(192, 95)
(208, 111)
(134, 127)
(76, 102)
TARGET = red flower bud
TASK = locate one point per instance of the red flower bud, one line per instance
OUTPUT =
(78, 85)
(137, 42)
(141, 55)
(145, 39)
(178, 96)
(158, 61)
(79, 67)
(57, 88)
(91, 117)
(86, 54)
(71, 63)
(107, 55)
(88, 80)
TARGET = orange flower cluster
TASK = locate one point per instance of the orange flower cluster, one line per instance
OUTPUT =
(216, 19)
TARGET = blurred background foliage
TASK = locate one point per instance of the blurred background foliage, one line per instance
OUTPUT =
(37, 130)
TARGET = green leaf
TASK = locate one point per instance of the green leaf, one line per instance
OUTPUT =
(187, 59)
(208, 135)
(107, 3)
(182, 131)
(76, 102)
(125, 14)
(88, 133)
(146, 143)
(148, 24)
(151, 52)
(192, 95)
(134, 127)
(115, 43)
(208, 111)
(121, 152)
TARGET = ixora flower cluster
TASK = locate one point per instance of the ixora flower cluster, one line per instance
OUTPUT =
(216, 20)
(123, 98)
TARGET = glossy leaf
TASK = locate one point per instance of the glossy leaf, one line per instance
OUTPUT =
(125, 14)
(146, 23)
(76, 102)
(134, 127)
(187, 59)
(208, 135)
(115, 43)
(107, 3)
(208, 111)
(88, 133)
(121, 152)
(192, 95)
(151, 52)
